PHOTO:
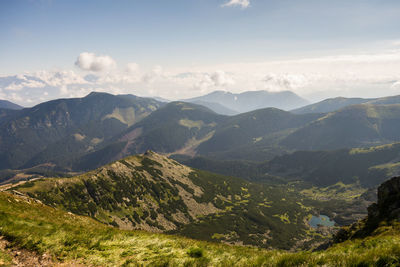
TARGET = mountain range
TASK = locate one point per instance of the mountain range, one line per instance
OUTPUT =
(82, 175)
(85, 133)
(66, 128)
(334, 104)
(230, 103)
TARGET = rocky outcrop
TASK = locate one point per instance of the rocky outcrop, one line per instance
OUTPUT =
(385, 211)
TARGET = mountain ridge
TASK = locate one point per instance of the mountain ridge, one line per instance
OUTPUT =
(334, 104)
(252, 100)
(5, 104)
(154, 193)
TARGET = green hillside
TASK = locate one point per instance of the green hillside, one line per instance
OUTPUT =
(189, 129)
(59, 131)
(353, 126)
(366, 166)
(253, 127)
(54, 237)
(154, 193)
(177, 127)
(334, 104)
(83, 134)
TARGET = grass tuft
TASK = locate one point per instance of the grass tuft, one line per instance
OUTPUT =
(195, 252)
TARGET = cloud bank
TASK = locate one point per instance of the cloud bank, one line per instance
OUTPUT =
(358, 75)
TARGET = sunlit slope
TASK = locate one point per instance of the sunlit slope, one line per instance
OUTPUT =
(353, 126)
(69, 238)
(154, 193)
(58, 131)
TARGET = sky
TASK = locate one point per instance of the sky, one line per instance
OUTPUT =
(178, 49)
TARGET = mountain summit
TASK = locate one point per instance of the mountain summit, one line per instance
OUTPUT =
(252, 100)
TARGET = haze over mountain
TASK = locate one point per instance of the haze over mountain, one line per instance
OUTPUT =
(9, 105)
(58, 133)
(252, 100)
(333, 104)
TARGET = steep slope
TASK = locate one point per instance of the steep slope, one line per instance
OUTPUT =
(353, 126)
(59, 130)
(252, 100)
(383, 216)
(177, 127)
(31, 230)
(5, 114)
(154, 193)
(369, 167)
(334, 104)
(189, 129)
(9, 105)
(252, 129)
(366, 166)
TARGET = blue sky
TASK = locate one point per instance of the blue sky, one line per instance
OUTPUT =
(48, 33)
(190, 35)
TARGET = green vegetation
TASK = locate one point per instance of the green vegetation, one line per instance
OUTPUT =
(353, 126)
(61, 131)
(5, 259)
(70, 238)
(366, 167)
(334, 104)
(337, 191)
(154, 193)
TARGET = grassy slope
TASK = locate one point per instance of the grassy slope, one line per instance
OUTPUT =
(58, 131)
(354, 126)
(34, 226)
(368, 166)
(155, 193)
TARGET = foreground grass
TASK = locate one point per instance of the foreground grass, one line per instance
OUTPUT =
(67, 237)
(5, 259)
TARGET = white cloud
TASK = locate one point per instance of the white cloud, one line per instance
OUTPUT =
(396, 85)
(362, 75)
(92, 62)
(58, 78)
(220, 78)
(17, 86)
(204, 81)
(64, 90)
(240, 3)
(275, 82)
(132, 67)
(151, 77)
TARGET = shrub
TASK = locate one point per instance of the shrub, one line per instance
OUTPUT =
(195, 252)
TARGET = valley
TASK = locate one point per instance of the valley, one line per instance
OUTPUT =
(180, 170)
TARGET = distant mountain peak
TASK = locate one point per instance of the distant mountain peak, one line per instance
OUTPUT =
(94, 93)
(250, 100)
(9, 105)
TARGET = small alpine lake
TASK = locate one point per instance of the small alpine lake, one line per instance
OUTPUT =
(321, 220)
